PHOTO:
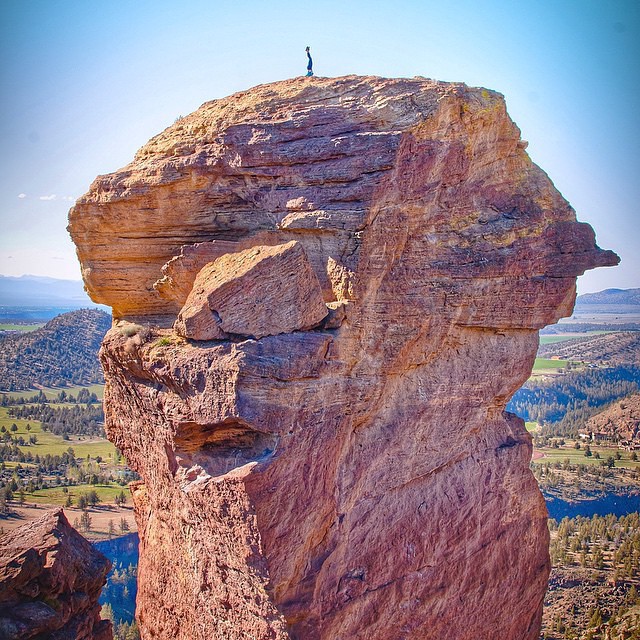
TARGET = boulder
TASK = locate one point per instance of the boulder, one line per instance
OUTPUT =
(50, 582)
(262, 291)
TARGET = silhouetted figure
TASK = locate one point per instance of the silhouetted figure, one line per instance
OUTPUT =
(309, 64)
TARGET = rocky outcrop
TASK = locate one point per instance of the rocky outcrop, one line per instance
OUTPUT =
(355, 476)
(50, 581)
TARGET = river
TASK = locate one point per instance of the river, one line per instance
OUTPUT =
(610, 503)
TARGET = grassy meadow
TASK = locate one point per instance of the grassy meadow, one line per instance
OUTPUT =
(20, 327)
(95, 456)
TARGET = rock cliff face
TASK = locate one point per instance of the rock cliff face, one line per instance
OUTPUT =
(357, 269)
(50, 581)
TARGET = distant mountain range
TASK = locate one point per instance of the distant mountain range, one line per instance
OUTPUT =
(40, 291)
(611, 296)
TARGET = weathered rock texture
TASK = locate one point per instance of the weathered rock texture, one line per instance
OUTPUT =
(359, 479)
(50, 581)
(258, 292)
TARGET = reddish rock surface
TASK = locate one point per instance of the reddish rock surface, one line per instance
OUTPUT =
(50, 581)
(360, 479)
(262, 291)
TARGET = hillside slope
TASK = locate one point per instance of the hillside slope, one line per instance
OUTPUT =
(621, 420)
(610, 296)
(621, 347)
(64, 351)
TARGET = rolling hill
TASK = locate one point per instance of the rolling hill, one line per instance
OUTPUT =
(620, 347)
(621, 420)
(64, 351)
(611, 296)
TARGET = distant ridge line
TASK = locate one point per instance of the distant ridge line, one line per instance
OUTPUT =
(611, 296)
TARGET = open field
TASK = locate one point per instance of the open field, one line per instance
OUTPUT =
(100, 517)
(19, 327)
(58, 496)
(52, 392)
(83, 446)
(558, 338)
(549, 364)
(543, 367)
(576, 456)
(563, 337)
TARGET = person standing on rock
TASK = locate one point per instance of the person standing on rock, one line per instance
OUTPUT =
(310, 63)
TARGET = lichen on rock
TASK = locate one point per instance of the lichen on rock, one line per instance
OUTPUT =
(354, 475)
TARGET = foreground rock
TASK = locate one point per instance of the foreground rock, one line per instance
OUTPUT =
(50, 581)
(357, 478)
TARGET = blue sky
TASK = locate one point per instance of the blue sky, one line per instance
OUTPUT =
(85, 83)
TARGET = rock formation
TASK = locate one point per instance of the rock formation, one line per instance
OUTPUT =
(50, 581)
(347, 472)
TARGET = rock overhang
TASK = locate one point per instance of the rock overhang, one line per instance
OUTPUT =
(236, 174)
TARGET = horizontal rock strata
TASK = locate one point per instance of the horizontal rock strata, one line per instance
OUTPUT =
(50, 581)
(349, 476)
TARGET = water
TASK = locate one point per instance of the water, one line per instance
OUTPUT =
(610, 503)
(122, 584)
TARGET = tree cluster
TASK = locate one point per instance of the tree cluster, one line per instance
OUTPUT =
(84, 397)
(598, 542)
(563, 404)
(119, 598)
(608, 549)
(79, 419)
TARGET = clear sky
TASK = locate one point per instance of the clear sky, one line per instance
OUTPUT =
(85, 83)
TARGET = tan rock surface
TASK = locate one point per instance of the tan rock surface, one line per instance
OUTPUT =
(50, 582)
(359, 480)
(262, 291)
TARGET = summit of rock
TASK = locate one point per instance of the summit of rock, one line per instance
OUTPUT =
(314, 161)
(355, 476)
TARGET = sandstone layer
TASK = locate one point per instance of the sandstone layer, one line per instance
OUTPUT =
(356, 476)
(50, 581)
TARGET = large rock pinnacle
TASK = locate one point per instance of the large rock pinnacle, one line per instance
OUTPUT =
(345, 473)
